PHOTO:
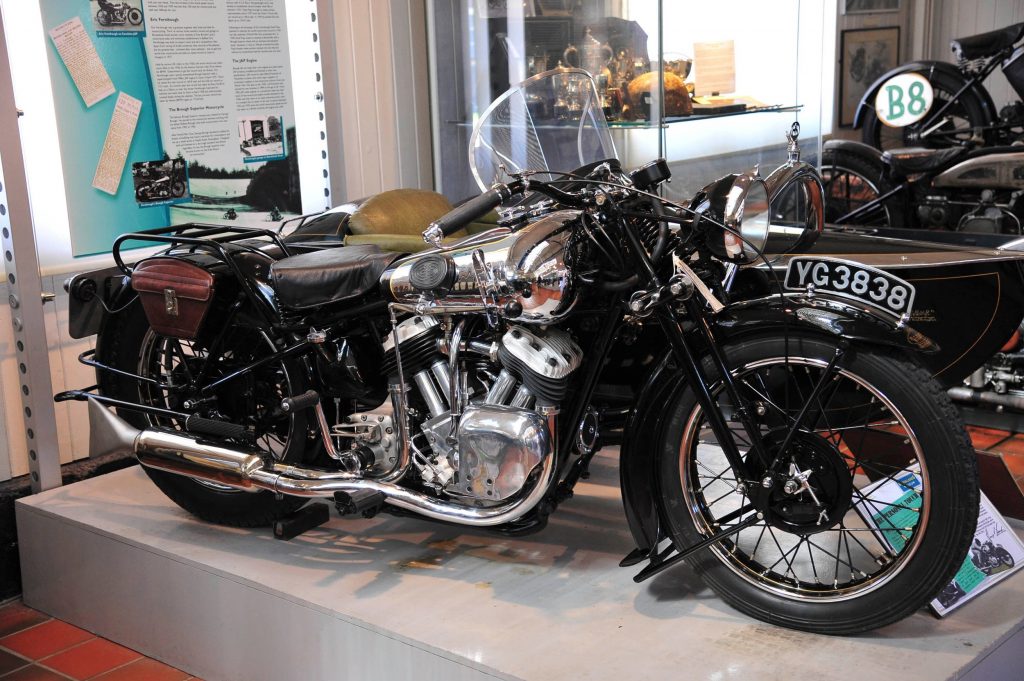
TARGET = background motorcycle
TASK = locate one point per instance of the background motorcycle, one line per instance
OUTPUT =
(978, 190)
(989, 557)
(118, 15)
(161, 188)
(759, 427)
(962, 112)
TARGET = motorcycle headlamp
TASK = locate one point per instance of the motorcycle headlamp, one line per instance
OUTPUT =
(740, 203)
(780, 214)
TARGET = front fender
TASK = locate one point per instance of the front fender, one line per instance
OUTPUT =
(925, 68)
(821, 316)
(865, 151)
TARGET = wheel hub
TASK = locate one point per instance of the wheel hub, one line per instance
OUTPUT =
(812, 488)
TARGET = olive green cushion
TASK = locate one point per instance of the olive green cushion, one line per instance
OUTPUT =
(398, 212)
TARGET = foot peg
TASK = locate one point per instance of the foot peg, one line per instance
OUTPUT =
(366, 505)
(290, 405)
(303, 520)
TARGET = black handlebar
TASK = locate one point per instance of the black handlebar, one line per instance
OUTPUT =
(473, 209)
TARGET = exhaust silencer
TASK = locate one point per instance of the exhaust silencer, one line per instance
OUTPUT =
(171, 451)
(189, 455)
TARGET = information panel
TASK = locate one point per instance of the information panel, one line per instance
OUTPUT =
(173, 111)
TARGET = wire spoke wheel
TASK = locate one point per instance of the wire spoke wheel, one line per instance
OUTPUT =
(846, 190)
(252, 399)
(853, 179)
(952, 128)
(180, 368)
(860, 486)
(862, 540)
(957, 125)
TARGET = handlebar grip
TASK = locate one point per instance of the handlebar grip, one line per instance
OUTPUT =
(462, 215)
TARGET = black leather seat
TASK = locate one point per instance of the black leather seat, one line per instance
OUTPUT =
(329, 276)
(921, 160)
(987, 44)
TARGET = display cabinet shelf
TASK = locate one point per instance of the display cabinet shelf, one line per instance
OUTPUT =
(648, 60)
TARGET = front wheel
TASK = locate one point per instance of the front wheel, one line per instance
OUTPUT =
(855, 182)
(956, 125)
(870, 511)
(134, 16)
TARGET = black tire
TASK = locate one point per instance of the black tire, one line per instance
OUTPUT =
(906, 580)
(123, 346)
(967, 113)
(134, 16)
(103, 17)
(853, 180)
(177, 189)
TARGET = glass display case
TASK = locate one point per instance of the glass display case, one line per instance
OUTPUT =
(710, 86)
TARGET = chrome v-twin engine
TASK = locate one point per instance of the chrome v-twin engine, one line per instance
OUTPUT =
(483, 440)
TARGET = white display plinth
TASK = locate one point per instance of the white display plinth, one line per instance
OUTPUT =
(398, 598)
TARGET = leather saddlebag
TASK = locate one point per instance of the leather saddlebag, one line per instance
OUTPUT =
(176, 295)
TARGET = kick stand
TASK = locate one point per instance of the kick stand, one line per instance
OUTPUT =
(303, 520)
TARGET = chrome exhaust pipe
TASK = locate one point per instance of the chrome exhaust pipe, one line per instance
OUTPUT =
(184, 454)
(971, 396)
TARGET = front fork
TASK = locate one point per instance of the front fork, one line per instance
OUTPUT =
(690, 362)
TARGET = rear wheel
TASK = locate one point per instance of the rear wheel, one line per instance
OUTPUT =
(252, 400)
(876, 505)
(103, 17)
(853, 181)
(954, 127)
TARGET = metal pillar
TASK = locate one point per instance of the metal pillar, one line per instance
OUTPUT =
(21, 264)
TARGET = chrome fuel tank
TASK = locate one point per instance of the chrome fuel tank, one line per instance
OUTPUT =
(530, 266)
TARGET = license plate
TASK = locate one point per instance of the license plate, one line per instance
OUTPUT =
(851, 280)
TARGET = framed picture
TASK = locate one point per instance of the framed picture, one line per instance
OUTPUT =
(870, 6)
(864, 55)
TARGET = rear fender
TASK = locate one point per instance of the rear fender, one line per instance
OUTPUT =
(822, 317)
(926, 68)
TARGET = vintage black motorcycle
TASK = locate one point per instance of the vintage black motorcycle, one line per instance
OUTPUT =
(990, 557)
(120, 14)
(966, 190)
(165, 187)
(461, 383)
(955, 108)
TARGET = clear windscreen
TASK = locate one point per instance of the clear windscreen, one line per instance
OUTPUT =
(550, 123)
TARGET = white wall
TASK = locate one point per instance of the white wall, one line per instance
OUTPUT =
(382, 89)
(65, 372)
(962, 18)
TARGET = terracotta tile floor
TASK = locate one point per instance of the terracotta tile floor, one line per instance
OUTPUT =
(1011, 446)
(35, 647)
